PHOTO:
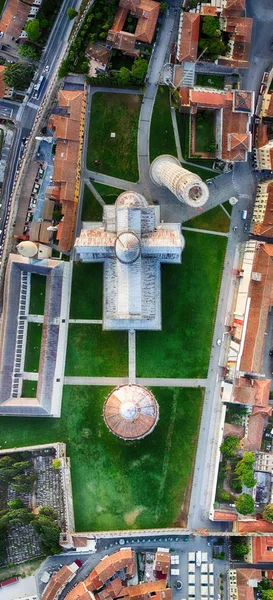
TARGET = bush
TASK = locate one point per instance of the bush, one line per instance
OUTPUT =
(268, 513)
(229, 445)
(71, 13)
(245, 504)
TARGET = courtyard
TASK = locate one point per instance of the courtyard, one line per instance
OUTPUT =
(114, 114)
(118, 484)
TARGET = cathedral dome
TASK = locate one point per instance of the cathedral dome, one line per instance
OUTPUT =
(127, 247)
(131, 412)
(131, 200)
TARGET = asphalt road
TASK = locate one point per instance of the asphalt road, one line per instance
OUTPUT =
(26, 112)
(244, 181)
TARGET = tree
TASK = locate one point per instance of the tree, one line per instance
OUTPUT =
(139, 69)
(71, 13)
(211, 26)
(229, 445)
(48, 531)
(244, 469)
(240, 550)
(29, 51)
(214, 47)
(124, 75)
(267, 595)
(32, 28)
(163, 7)
(225, 496)
(268, 513)
(16, 503)
(57, 215)
(192, 4)
(64, 68)
(244, 504)
(47, 511)
(265, 584)
(18, 76)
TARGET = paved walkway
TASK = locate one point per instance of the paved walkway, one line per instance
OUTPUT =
(86, 321)
(35, 318)
(125, 380)
(205, 231)
(132, 355)
(30, 376)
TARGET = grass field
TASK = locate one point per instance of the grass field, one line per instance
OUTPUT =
(189, 300)
(29, 389)
(204, 131)
(114, 113)
(162, 139)
(208, 80)
(109, 194)
(34, 338)
(184, 135)
(215, 219)
(91, 208)
(119, 484)
(86, 293)
(92, 352)
(37, 294)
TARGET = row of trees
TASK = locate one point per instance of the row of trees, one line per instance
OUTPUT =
(95, 26)
(17, 473)
(45, 523)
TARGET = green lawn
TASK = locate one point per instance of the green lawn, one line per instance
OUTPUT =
(162, 139)
(228, 207)
(189, 300)
(208, 80)
(91, 208)
(34, 338)
(86, 293)
(29, 389)
(37, 294)
(183, 123)
(108, 193)
(214, 219)
(114, 113)
(204, 132)
(118, 484)
(92, 352)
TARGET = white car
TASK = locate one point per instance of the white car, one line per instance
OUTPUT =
(218, 342)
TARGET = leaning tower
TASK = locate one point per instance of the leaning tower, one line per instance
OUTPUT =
(187, 187)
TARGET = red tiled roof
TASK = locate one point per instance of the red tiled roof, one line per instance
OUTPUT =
(235, 430)
(56, 583)
(260, 294)
(147, 12)
(262, 548)
(224, 516)
(14, 17)
(162, 562)
(245, 591)
(258, 526)
(252, 391)
(2, 83)
(189, 37)
(261, 136)
(252, 442)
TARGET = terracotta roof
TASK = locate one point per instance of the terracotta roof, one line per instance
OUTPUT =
(235, 5)
(242, 101)
(239, 141)
(211, 98)
(14, 17)
(98, 52)
(252, 391)
(270, 106)
(260, 294)
(79, 592)
(147, 12)
(252, 441)
(108, 566)
(240, 29)
(257, 526)
(262, 549)
(224, 516)
(65, 128)
(245, 591)
(72, 100)
(162, 562)
(130, 411)
(189, 37)
(235, 430)
(184, 94)
(261, 135)
(235, 139)
(69, 210)
(2, 83)
(56, 583)
(209, 10)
